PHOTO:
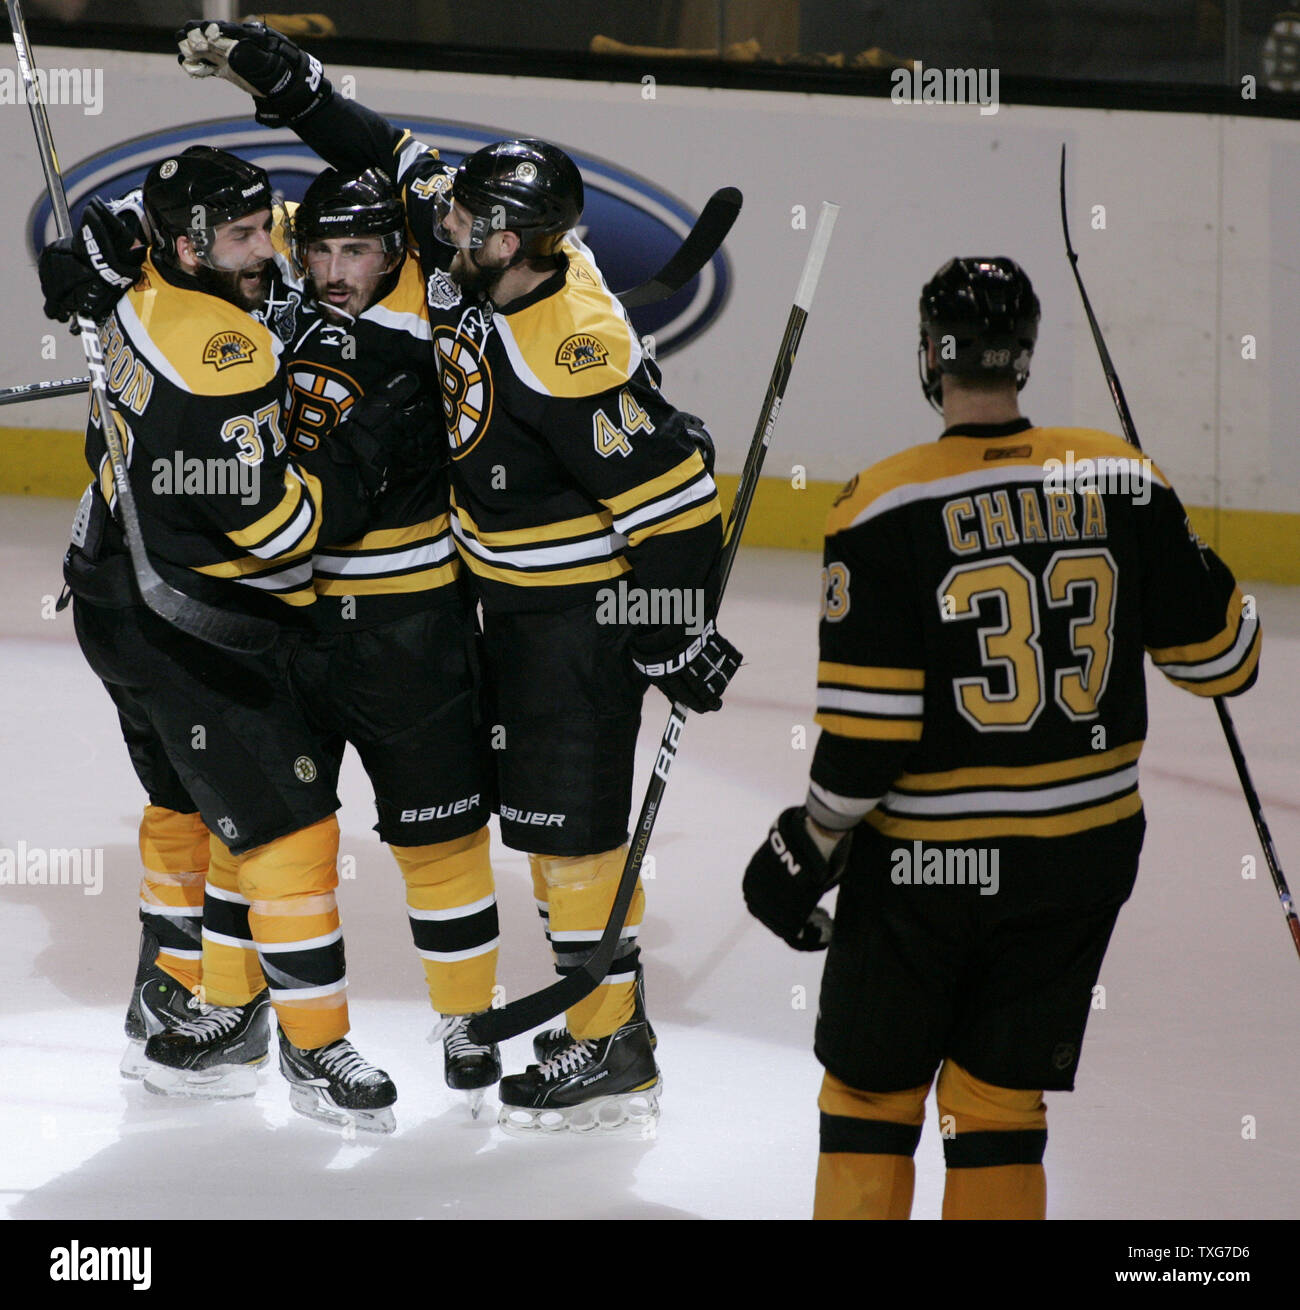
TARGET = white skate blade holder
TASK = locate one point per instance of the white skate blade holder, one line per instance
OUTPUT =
(220, 1083)
(625, 1114)
(316, 1103)
(135, 1064)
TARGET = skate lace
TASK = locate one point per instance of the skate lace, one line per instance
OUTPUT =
(453, 1031)
(567, 1061)
(341, 1060)
(213, 1020)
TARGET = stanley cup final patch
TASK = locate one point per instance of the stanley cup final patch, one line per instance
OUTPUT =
(580, 351)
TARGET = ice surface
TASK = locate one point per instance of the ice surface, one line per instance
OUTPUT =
(1198, 1033)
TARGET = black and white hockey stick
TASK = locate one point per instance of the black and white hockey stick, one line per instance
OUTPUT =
(43, 390)
(1220, 702)
(700, 245)
(532, 1010)
(239, 633)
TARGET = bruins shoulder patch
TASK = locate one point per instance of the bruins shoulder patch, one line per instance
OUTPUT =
(228, 348)
(580, 351)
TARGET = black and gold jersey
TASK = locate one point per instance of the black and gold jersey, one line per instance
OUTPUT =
(197, 387)
(406, 557)
(988, 599)
(569, 468)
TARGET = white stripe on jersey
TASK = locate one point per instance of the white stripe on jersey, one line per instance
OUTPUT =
(942, 488)
(290, 535)
(832, 810)
(409, 157)
(138, 335)
(280, 579)
(678, 498)
(597, 548)
(1088, 791)
(432, 552)
(1220, 665)
(870, 702)
(417, 325)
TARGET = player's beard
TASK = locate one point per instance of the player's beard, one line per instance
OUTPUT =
(246, 287)
(473, 277)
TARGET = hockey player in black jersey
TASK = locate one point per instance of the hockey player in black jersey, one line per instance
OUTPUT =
(392, 667)
(572, 479)
(229, 516)
(987, 601)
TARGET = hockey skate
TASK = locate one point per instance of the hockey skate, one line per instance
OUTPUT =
(215, 1055)
(603, 1085)
(335, 1085)
(467, 1066)
(158, 1004)
(554, 1041)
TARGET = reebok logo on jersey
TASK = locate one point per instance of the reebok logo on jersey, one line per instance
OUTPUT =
(228, 348)
(580, 351)
(1008, 452)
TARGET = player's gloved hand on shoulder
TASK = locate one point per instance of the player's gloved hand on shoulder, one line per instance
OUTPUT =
(288, 82)
(788, 876)
(383, 429)
(697, 430)
(693, 670)
(88, 272)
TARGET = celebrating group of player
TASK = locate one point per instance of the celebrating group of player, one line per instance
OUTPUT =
(982, 638)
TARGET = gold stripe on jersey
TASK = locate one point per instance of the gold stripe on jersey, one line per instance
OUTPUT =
(198, 342)
(920, 472)
(682, 498)
(1051, 825)
(289, 528)
(1202, 651)
(870, 702)
(387, 561)
(576, 342)
(538, 557)
(1052, 799)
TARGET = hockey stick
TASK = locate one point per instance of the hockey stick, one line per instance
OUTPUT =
(239, 633)
(536, 1008)
(1220, 702)
(43, 390)
(700, 245)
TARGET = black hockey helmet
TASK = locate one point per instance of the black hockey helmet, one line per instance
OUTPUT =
(350, 205)
(982, 315)
(528, 187)
(190, 193)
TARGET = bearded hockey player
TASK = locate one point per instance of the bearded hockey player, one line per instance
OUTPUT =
(570, 473)
(215, 739)
(974, 790)
(392, 666)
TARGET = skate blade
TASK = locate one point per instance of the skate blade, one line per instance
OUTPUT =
(135, 1064)
(224, 1082)
(474, 1100)
(628, 1114)
(313, 1103)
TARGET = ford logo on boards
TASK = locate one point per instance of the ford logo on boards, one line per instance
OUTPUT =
(632, 226)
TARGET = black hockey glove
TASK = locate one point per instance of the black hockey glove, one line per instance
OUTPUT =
(788, 876)
(702, 438)
(287, 81)
(88, 272)
(693, 670)
(391, 428)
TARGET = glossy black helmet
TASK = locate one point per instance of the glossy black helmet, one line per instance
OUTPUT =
(982, 316)
(528, 187)
(350, 205)
(191, 193)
